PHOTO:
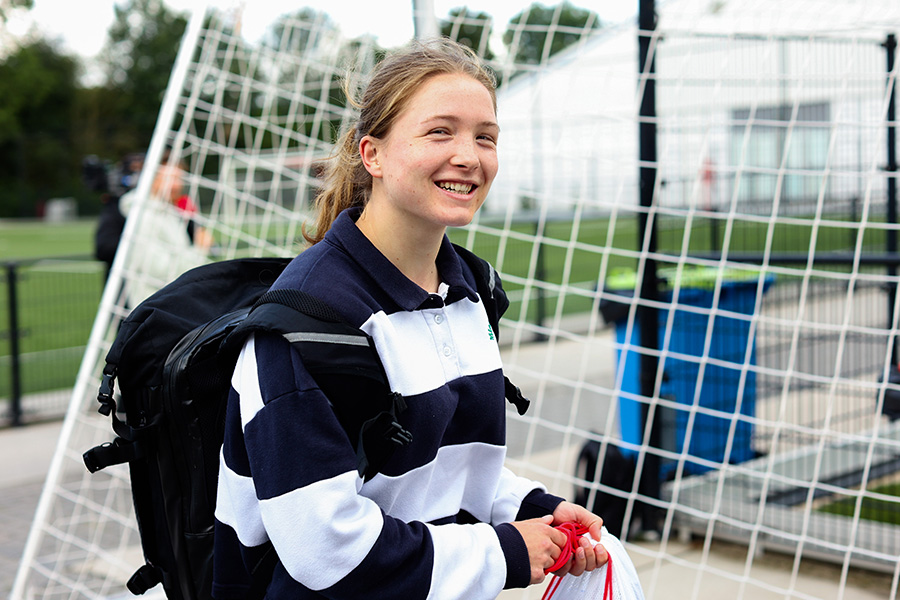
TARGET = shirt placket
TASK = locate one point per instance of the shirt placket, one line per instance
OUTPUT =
(439, 326)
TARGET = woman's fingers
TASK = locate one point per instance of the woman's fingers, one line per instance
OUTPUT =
(602, 556)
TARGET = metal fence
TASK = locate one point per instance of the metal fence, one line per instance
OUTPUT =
(47, 307)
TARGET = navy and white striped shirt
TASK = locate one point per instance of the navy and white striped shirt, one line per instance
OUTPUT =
(434, 523)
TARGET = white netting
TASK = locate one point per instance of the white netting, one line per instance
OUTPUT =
(775, 248)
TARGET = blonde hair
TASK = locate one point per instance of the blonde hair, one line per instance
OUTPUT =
(394, 81)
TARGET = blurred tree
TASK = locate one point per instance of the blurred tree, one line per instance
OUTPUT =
(539, 31)
(8, 6)
(139, 55)
(301, 31)
(470, 28)
(305, 81)
(8, 10)
(310, 99)
(96, 125)
(37, 91)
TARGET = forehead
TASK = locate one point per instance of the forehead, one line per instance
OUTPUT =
(451, 95)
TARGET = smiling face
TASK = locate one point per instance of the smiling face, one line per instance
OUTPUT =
(435, 166)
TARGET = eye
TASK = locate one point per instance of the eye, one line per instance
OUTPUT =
(439, 131)
(486, 138)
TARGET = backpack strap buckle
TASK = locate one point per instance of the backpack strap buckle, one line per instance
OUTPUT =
(107, 389)
(394, 431)
(143, 579)
(515, 397)
(397, 434)
(379, 437)
(115, 452)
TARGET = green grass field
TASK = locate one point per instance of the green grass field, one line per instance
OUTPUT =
(58, 299)
(872, 509)
(30, 239)
(600, 247)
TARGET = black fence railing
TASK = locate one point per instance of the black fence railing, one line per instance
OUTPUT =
(47, 308)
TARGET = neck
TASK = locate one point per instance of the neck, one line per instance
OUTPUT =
(411, 249)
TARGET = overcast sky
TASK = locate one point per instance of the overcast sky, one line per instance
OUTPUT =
(82, 24)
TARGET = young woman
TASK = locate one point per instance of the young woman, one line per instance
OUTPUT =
(444, 518)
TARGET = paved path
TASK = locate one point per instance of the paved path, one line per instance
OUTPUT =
(25, 455)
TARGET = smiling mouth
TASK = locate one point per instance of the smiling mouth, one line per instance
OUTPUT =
(456, 188)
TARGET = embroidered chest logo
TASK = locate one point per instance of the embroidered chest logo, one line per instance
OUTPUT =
(490, 333)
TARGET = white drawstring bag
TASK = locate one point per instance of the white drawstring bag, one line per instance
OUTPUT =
(616, 580)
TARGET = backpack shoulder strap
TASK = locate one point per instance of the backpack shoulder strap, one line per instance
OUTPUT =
(495, 304)
(487, 285)
(346, 366)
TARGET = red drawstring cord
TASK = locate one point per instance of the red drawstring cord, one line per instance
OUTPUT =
(607, 587)
(551, 589)
(573, 534)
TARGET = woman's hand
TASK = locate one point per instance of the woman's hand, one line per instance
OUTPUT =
(544, 544)
(585, 557)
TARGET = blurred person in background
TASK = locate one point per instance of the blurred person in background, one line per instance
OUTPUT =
(167, 240)
(112, 184)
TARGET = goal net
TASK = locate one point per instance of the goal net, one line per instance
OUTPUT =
(704, 307)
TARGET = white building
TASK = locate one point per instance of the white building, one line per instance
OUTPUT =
(760, 103)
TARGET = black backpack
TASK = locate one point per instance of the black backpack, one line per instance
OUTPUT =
(173, 358)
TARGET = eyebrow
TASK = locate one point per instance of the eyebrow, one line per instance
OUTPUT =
(456, 119)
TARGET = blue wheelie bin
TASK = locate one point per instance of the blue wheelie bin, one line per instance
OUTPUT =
(722, 404)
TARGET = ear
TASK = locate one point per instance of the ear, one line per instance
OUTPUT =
(369, 148)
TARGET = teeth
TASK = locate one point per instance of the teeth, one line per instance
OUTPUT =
(459, 188)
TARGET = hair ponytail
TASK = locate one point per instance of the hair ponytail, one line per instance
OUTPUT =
(346, 185)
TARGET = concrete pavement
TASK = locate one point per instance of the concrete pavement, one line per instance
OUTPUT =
(25, 455)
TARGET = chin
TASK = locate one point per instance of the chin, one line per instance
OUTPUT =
(459, 221)
(460, 217)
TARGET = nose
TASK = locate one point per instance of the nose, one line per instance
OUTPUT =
(465, 154)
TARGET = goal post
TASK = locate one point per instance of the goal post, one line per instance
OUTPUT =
(770, 420)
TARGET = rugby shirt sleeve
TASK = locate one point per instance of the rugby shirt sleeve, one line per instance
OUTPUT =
(518, 498)
(300, 468)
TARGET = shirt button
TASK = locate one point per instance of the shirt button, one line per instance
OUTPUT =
(438, 319)
(447, 351)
